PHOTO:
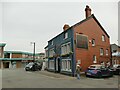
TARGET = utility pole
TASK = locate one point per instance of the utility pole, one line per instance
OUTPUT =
(33, 51)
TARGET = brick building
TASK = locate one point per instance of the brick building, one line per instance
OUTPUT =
(84, 43)
(115, 50)
(16, 59)
(2, 45)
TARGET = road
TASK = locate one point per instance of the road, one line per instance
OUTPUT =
(18, 78)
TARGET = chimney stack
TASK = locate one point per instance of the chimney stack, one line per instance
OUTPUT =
(65, 27)
(87, 11)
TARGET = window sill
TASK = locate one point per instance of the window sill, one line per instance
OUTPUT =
(66, 70)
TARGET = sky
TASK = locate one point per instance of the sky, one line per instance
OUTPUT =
(25, 22)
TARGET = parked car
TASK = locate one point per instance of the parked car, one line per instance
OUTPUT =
(98, 71)
(116, 69)
(33, 66)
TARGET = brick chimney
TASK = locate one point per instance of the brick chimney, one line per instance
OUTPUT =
(65, 27)
(87, 11)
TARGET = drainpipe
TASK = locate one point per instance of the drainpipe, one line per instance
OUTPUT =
(74, 56)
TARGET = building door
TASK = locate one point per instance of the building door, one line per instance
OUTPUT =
(58, 65)
(5, 64)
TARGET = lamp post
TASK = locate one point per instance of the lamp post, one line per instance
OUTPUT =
(33, 51)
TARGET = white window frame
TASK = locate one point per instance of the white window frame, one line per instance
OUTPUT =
(51, 64)
(103, 38)
(94, 59)
(51, 52)
(101, 52)
(93, 42)
(52, 42)
(106, 52)
(66, 35)
(66, 48)
(66, 65)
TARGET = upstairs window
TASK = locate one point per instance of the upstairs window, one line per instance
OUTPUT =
(103, 38)
(52, 43)
(101, 51)
(94, 59)
(51, 52)
(66, 35)
(65, 48)
(93, 42)
(106, 52)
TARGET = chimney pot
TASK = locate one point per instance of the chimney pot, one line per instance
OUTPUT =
(65, 27)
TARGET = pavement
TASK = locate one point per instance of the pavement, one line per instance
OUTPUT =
(53, 74)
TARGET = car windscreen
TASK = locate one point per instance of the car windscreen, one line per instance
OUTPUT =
(30, 64)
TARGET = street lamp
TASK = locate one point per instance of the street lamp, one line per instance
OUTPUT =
(33, 51)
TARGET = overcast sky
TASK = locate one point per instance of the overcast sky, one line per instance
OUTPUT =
(25, 22)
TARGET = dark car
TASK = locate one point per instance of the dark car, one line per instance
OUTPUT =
(33, 66)
(98, 71)
(116, 69)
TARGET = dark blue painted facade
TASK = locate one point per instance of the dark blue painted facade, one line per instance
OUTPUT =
(55, 44)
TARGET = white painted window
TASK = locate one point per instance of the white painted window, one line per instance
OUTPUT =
(68, 47)
(94, 59)
(51, 52)
(66, 35)
(93, 42)
(51, 64)
(52, 43)
(66, 65)
(65, 48)
(106, 52)
(101, 51)
(103, 38)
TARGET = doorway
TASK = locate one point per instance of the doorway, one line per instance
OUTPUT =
(58, 65)
(5, 64)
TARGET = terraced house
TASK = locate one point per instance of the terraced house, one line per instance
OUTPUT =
(84, 43)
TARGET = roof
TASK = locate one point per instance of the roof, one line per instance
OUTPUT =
(2, 44)
(60, 34)
(92, 16)
(16, 59)
(20, 52)
(46, 47)
(17, 52)
(115, 45)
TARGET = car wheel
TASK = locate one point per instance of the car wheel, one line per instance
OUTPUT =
(26, 69)
(99, 75)
(118, 73)
(87, 76)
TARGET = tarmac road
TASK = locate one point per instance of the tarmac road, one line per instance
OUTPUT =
(18, 78)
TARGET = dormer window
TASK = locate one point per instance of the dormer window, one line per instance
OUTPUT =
(103, 38)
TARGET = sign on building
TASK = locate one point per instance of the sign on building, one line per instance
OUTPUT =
(81, 41)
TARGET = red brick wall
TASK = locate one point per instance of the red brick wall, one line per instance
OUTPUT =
(93, 31)
(16, 55)
(1, 51)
